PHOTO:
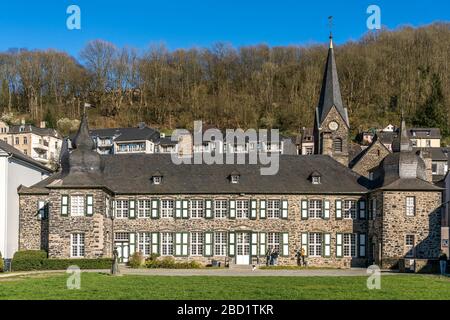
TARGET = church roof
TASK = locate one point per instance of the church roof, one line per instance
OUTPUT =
(330, 94)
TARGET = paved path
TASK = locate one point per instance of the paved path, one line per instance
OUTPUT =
(219, 272)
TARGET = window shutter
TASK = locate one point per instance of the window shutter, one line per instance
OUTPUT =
(374, 208)
(254, 244)
(178, 244)
(362, 245)
(178, 209)
(305, 242)
(185, 244)
(155, 208)
(285, 239)
(326, 209)
(231, 244)
(232, 209)
(185, 209)
(262, 243)
(304, 209)
(155, 242)
(327, 245)
(262, 209)
(284, 209)
(362, 209)
(208, 209)
(132, 209)
(208, 244)
(41, 210)
(338, 245)
(89, 205)
(114, 208)
(253, 204)
(338, 209)
(132, 244)
(65, 205)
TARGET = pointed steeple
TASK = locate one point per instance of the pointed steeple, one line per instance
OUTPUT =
(83, 139)
(405, 142)
(330, 94)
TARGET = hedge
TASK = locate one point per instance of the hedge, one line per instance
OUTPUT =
(37, 260)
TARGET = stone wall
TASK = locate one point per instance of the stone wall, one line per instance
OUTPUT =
(371, 159)
(33, 232)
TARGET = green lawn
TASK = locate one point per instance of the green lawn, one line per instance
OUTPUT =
(102, 286)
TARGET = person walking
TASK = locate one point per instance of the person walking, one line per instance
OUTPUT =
(443, 263)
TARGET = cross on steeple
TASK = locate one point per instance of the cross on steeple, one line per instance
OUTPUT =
(330, 25)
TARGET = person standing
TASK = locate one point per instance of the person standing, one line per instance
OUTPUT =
(298, 256)
(267, 257)
(275, 257)
(303, 255)
(443, 262)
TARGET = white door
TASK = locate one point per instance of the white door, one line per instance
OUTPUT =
(243, 248)
(122, 250)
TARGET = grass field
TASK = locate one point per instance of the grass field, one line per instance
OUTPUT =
(102, 286)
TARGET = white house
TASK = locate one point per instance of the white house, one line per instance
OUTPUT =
(15, 169)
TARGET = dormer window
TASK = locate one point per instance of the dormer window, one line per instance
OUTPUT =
(234, 177)
(157, 178)
(316, 180)
(315, 177)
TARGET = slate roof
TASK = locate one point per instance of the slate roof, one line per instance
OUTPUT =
(330, 94)
(432, 133)
(131, 174)
(19, 155)
(27, 128)
(437, 154)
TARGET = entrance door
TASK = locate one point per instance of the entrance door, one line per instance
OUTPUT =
(122, 249)
(243, 248)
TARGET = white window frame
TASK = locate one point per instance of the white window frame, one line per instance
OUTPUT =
(314, 244)
(410, 207)
(410, 247)
(197, 239)
(349, 245)
(197, 209)
(273, 209)
(145, 243)
(273, 241)
(220, 243)
(77, 245)
(167, 208)
(315, 209)
(77, 205)
(122, 208)
(167, 244)
(220, 209)
(144, 208)
(349, 209)
(242, 209)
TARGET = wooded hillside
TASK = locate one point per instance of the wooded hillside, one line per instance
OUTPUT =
(255, 86)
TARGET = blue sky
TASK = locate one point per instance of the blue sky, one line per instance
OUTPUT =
(187, 23)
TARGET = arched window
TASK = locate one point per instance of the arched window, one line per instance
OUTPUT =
(337, 145)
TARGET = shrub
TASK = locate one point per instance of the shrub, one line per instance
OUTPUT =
(136, 260)
(170, 263)
(37, 260)
(2, 265)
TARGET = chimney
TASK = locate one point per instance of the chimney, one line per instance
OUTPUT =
(42, 124)
(426, 156)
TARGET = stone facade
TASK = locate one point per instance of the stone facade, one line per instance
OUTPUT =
(371, 159)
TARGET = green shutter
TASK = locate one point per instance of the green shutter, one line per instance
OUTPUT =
(262, 209)
(89, 205)
(254, 244)
(304, 209)
(155, 242)
(185, 244)
(65, 211)
(208, 209)
(285, 241)
(231, 244)
(232, 209)
(327, 245)
(362, 209)
(132, 244)
(185, 209)
(178, 242)
(208, 244)
(338, 209)
(253, 205)
(262, 244)
(178, 209)
(305, 242)
(155, 208)
(362, 240)
(339, 252)
(132, 209)
(326, 209)
(284, 209)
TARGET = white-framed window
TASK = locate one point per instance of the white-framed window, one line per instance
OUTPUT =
(144, 208)
(197, 208)
(77, 245)
(166, 244)
(273, 241)
(315, 209)
(122, 208)
(410, 206)
(273, 208)
(196, 243)
(167, 208)
(234, 179)
(121, 236)
(220, 209)
(349, 244)
(242, 209)
(157, 180)
(316, 180)
(349, 209)
(220, 243)
(144, 243)
(315, 244)
(409, 245)
(77, 206)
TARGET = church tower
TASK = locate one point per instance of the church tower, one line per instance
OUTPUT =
(331, 125)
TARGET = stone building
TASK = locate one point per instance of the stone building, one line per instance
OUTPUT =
(232, 213)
